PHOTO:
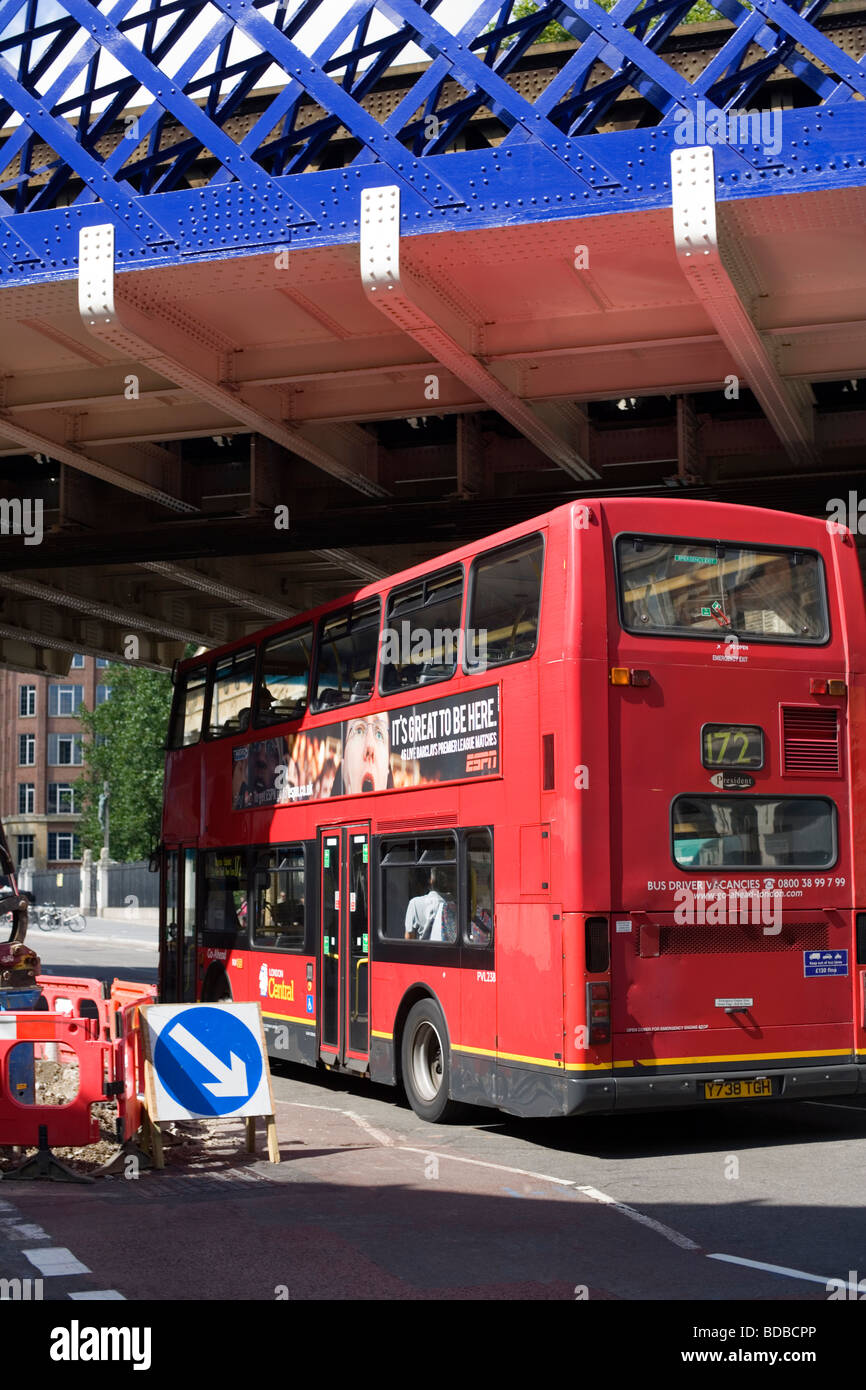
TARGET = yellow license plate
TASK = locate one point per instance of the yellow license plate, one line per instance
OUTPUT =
(737, 1090)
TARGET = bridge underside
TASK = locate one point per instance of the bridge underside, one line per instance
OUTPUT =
(262, 340)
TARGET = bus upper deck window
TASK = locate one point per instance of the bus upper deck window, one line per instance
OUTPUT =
(346, 657)
(504, 603)
(282, 690)
(421, 636)
(188, 710)
(232, 694)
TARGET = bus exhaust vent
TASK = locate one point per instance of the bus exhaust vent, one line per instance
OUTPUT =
(727, 940)
(810, 741)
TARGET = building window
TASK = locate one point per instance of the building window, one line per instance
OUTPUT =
(64, 750)
(25, 848)
(77, 662)
(64, 699)
(26, 700)
(26, 750)
(102, 694)
(63, 845)
(61, 799)
(26, 798)
(102, 661)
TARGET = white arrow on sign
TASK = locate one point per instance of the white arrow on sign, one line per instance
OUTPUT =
(231, 1081)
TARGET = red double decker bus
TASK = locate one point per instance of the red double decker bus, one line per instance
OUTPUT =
(560, 822)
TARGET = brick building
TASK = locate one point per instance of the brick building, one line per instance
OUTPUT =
(41, 759)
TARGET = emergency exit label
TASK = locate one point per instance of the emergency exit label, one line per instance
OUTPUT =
(825, 963)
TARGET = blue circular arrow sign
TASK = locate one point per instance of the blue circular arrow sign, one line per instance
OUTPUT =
(208, 1061)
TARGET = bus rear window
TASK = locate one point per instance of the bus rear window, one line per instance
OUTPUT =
(713, 589)
(754, 832)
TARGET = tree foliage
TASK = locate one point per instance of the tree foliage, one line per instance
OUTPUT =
(124, 746)
(700, 13)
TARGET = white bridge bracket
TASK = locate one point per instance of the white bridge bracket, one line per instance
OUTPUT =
(187, 353)
(708, 264)
(420, 311)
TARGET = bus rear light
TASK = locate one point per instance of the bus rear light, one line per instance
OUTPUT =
(623, 675)
(598, 1013)
(836, 687)
(820, 685)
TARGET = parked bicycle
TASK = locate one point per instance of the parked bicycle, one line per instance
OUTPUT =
(50, 917)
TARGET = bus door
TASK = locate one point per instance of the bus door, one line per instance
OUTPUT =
(177, 933)
(344, 978)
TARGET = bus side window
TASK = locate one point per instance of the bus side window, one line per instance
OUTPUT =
(504, 603)
(421, 637)
(479, 888)
(419, 889)
(225, 891)
(346, 655)
(188, 710)
(280, 897)
(282, 690)
(232, 694)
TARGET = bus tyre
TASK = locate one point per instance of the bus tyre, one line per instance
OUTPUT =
(426, 1065)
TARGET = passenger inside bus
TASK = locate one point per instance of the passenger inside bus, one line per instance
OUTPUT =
(432, 916)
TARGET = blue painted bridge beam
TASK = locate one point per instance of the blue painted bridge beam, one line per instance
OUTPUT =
(182, 77)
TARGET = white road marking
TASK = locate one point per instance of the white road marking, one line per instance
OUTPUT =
(23, 1232)
(55, 1260)
(374, 1133)
(675, 1237)
(593, 1193)
(788, 1273)
(480, 1163)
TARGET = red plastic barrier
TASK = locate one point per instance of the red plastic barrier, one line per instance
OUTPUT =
(129, 1070)
(66, 994)
(124, 992)
(70, 1124)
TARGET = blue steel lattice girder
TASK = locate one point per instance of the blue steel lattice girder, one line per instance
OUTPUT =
(187, 112)
(537, 174)
(822, 150)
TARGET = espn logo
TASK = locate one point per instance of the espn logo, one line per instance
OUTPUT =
(481, 762)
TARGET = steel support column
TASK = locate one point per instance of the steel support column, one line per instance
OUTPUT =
(710, 266)
(419, 310)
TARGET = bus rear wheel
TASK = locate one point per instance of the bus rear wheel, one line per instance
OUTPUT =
(426, 1065)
